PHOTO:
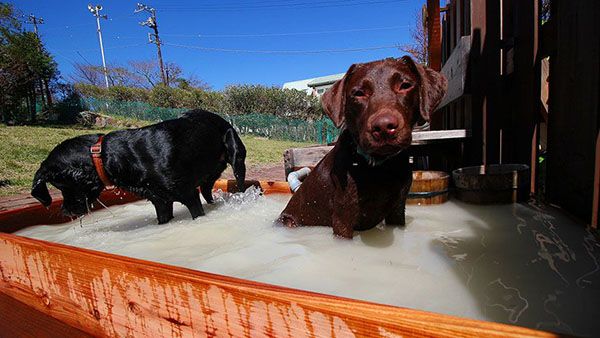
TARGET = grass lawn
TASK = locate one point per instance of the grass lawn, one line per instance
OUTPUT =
(22, 149)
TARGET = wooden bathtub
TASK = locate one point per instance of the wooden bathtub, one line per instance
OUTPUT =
(49, 289)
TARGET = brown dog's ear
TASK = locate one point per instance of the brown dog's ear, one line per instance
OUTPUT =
(334, 100)
(432, 90)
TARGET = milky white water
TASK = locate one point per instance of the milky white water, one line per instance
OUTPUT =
(515, 264)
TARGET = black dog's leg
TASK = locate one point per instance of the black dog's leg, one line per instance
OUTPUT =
(206, 189)
(192, 201)
(164, 211)
(397, 216)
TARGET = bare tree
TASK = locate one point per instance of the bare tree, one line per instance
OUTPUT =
(172, 71)
(148, 70)
(418, 48)
(117, 76)
(140, 74)
(121, 76)
(86, 74)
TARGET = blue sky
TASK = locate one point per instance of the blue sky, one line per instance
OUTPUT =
(69, 33)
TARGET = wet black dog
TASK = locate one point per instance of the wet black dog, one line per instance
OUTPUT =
(164, 163)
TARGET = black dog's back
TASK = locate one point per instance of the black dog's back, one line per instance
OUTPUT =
(164, 163)
(169, 155)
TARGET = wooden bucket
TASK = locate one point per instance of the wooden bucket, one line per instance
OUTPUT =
(428, 187)
(492, 184)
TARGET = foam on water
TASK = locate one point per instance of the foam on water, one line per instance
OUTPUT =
(517, 264)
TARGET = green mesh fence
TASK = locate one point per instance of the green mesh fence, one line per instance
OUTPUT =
(263, 125)
(136, 110)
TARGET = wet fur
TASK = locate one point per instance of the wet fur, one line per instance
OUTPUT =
(362, 181)
(164, 163)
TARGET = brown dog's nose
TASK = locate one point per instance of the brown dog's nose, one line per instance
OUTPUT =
(384, 126)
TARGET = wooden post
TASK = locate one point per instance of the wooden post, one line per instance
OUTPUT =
(484, 82)
(596, 185)
(573, 106)
(533, 166)
(434, 40)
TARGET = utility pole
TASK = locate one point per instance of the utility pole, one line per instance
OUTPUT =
(95, 10)
(152, 23)
(32, 19)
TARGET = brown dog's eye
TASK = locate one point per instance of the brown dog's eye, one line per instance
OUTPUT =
(358, 93)
(406, 85)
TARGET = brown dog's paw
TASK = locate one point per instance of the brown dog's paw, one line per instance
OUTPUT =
(342, 231)
(287, 221)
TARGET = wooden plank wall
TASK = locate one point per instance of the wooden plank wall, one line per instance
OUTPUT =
(574, 104)
(521, 79)
(456, 23)
(501, 102)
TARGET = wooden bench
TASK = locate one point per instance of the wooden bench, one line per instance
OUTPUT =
(442, 143)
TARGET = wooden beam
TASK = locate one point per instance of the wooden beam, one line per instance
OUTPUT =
(109, 295)
(434, 35)
(534, 161)
(596, 199)
(574, 104)
(455, 71)
(296, 158)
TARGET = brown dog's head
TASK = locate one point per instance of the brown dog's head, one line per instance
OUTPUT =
(380, 102)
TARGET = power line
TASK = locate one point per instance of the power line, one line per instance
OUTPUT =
(317, 51)
(284, 34)
(69, 26)
(222, 3)
(105, 48)
(322, 4)
(84, 59)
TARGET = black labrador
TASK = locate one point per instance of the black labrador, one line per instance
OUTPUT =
(164, 163)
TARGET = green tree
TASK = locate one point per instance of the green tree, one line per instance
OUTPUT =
(24, 66)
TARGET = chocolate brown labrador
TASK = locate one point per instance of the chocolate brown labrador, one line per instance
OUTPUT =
(366, 177)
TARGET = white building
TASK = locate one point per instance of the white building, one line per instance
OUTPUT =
(315, 86)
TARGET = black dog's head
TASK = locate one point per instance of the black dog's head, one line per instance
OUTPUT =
(69, 168)
(236, 156)
(381, 101)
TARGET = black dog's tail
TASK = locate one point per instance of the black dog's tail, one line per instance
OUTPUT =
(39, 190)
(236, 156)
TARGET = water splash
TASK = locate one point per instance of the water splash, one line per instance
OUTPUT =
(238, 201)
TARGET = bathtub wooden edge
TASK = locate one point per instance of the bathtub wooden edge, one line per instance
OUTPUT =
(105, 294)
(111, 295)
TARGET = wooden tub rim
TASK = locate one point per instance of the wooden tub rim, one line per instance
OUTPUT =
(409, 322)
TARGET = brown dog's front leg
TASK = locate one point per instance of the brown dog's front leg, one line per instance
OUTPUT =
(397, 215)
(341, 228)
